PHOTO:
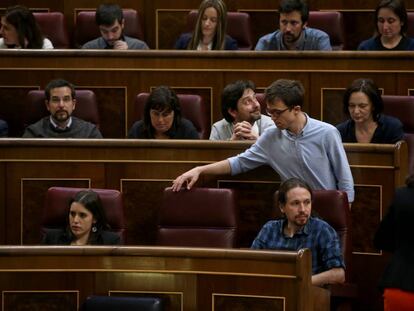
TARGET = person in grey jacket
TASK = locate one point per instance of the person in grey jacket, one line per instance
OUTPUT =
(111, 23)
(61, 102)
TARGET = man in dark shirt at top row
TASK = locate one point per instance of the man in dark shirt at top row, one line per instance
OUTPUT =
(61, 102)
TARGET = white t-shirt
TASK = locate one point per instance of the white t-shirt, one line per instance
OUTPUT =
(47, 44)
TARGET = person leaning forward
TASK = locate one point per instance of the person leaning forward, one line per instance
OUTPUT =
(299, 146)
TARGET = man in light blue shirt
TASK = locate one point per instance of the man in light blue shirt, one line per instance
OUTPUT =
(299, 146)
(293, 33)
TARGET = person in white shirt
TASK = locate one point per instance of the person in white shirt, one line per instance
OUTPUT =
(19, 30)
(242, 114)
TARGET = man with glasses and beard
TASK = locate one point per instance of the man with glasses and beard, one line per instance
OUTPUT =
(298, 146)
(60, 102)
(294, 33)
(241, 111)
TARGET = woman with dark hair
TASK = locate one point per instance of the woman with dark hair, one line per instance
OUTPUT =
(162, 118)
(210, 29)
(391, 27)
(87, 224)
(19, 29)
(395, 235)
(363, 104)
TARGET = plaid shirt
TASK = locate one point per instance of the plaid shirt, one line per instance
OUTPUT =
(317, 235)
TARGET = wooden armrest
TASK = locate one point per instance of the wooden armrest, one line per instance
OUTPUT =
(346, 290)
(321, 298)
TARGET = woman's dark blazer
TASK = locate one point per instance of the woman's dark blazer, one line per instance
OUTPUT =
(395, 234)
(185, 38)
(62, 237)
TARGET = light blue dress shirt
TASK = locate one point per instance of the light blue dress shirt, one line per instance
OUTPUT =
(312, 39)
(315, 155)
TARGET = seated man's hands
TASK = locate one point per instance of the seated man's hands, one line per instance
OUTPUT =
(120, 45)
(243, 131)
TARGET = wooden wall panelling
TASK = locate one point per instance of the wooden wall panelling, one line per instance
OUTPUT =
(65, 300)
(13, 100)
(170, 23)
(3, 203)
(200, 277)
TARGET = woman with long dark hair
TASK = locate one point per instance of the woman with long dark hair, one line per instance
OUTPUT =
(19, 29)
(210, 29)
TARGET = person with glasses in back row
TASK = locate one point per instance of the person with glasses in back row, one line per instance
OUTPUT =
(61, 102)
(298, 146)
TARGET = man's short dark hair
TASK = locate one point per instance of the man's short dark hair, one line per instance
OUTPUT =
(59, 83)
(231, 95)
(288, 6)
(291, 92)
(107, 14)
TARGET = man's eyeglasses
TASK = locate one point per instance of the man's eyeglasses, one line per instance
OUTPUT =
(275, 112)
(57, 100)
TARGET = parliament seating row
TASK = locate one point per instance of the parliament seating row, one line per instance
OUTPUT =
(53, 25)
(207, 217)
(194, 109)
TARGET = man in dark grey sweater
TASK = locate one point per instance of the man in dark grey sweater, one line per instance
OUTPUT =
(60, 102)
(111, 23)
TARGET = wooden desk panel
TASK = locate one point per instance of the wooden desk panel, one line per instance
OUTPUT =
(189, 278)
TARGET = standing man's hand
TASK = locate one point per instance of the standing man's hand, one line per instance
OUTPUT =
(187, 179)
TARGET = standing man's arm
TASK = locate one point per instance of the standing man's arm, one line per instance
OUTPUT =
(340, 164)
(190, 177)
